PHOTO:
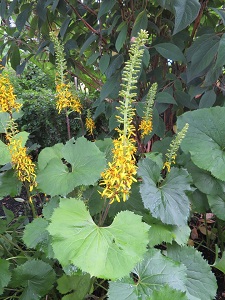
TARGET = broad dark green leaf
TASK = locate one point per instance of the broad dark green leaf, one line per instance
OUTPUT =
(164, 97)
(185, 13)
(64, 27)
(205, 139)
(23, 17)
(170, 51)
(152, 273)
(35, 277)
(203, 57)
(167, 199)
(221, 13)
(35, 232)
(15, 56)
(104, 62)
(105, 7)
(184, 99)
(208, 99)
(109, 86)
(88, 42)
(201, 282)
(121, 37)
(217, 205)
(141, 22)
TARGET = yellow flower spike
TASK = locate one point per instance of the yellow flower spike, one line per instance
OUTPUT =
(7, 97)
(65, 96)
(174, 146)
(23, 164)
(146, 123)
(89, 122)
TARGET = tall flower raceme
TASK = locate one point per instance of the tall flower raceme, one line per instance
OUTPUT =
(118, 178)
(66, 97)
(8, 101)
(89, 123)
(174, 146)
(146, 123)
(21, 162)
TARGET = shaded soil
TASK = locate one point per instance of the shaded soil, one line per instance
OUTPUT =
(20, 207)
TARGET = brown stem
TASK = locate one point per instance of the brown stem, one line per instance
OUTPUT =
(68, 125)
(85, 22)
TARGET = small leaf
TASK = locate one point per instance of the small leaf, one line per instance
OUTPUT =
(106, 252)
(197, 268)
(5, 154)
(185, 13)
(170, 51)
(220, 263)
(5, 274)
(121, 37)
(166, 200)
(64, 27)
(35, 276)
(104, 63)
(220, 60)
(23, 17)
(208, 99)
(88, 42)
(152, 273)
(164, 97)
(221, 13)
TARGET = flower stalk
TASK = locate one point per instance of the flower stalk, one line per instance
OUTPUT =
(173, 149)
(118, 178)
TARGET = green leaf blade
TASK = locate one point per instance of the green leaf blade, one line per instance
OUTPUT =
(105, 252)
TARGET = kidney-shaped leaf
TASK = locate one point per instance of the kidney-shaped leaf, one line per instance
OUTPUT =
(205, 139)
(152, 273)
(86, 160)
(106, 252)
(167, 200)
(201, 282)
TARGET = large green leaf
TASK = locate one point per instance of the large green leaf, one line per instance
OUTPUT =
(205, 139)
(185, 13)
(201, 282)
(167, 293)
(77, 286)
(141, 22)
(106, 252)
(48, 153)
(217, 204)
(160, 232)
(152, 273)
(35, 232)
(35, 277)
(5, 274)
(167, 199)
(9, 184)
(86, 160)
(170, 51)
(5, 155)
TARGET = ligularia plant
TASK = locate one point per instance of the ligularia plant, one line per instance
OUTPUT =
(120, 175)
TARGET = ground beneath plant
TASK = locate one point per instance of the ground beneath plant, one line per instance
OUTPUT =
(20, 207)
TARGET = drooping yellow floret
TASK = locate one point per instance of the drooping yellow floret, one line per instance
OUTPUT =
(65, 98)
(145, 127)
(22, 162)
(90, 125)
(119, 176)
(7, 97)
